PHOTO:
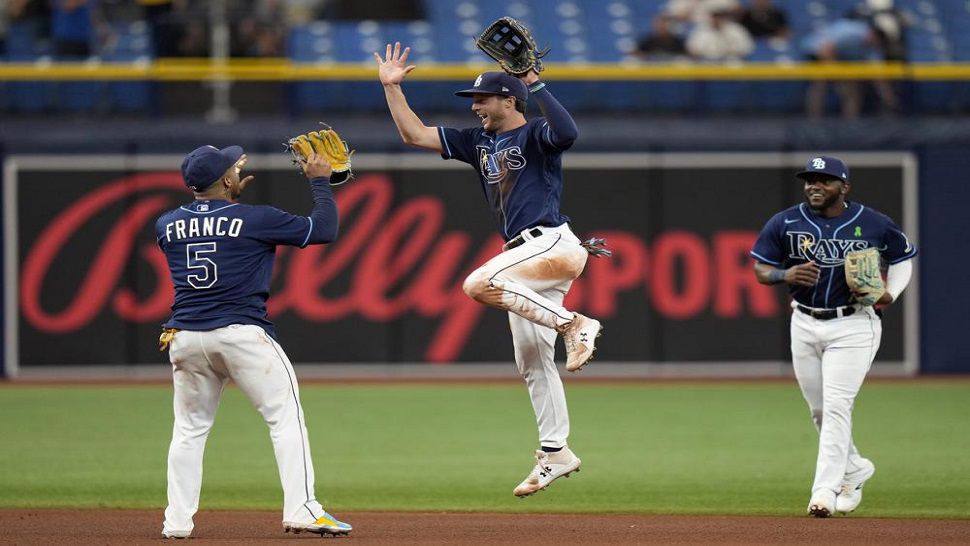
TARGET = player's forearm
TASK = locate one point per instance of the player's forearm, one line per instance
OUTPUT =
(409, 125)
(767, 274)
(324, 216)
(563, 130)
(897, 278)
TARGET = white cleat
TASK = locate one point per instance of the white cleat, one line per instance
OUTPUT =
(851, 494)
(324, 525)
(822, 504)
(176, 534)
(580, 336)
(549, 466)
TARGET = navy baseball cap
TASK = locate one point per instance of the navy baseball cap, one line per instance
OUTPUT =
(824, 164)
(205, 164)
(497, 83)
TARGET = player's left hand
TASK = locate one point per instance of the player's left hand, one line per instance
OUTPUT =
(885, 299)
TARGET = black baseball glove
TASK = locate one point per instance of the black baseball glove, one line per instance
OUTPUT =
(511, 44)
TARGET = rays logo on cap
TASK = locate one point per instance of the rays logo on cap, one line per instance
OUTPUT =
(478, 80)
(818, 163)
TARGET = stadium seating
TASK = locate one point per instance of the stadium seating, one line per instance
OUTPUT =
(580, 31)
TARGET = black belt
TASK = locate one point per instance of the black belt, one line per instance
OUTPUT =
(826, 314)
(520, 240)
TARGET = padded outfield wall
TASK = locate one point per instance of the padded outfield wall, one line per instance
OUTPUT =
(85, 284)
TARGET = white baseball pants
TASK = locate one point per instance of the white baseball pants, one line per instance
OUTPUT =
(530, 282)
(202, 364)
(831, 359)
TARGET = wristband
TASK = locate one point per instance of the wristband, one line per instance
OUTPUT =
(778, 275)
(536, 87)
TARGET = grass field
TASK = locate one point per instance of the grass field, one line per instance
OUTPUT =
(718, 448)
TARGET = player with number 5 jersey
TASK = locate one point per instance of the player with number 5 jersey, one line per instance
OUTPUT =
(220, 255)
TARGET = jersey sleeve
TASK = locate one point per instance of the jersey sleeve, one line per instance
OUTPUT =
(542, 133)
(458, 144)
(769, 247)
(279, 227)
(897, 246)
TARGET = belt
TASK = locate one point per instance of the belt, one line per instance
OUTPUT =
(827, 314)
(520, 240)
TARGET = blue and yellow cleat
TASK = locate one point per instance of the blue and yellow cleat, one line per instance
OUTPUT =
(324, 525)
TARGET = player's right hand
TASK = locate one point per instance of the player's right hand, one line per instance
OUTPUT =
(316, 166)
(393, 68)
(805, 274)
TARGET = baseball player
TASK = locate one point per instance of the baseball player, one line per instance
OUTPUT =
(220, 254)
(834, 338)
(518, 163)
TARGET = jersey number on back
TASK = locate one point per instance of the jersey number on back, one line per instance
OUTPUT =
(206, 273)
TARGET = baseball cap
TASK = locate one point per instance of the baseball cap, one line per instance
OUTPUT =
(497, 83)
(824, 164)
(205, 164)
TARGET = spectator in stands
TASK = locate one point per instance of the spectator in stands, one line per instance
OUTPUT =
(844, 40)
(889, 22)
(764, 20)
(161, 18)
(721, 38)
(259, 32)
(698, 11)
(662, 43)
(301, 12)
(35, 15)
(72, 28)
(4, 17)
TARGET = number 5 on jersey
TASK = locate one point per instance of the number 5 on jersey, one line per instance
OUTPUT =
(206, 273)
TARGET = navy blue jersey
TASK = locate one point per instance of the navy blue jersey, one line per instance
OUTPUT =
(520, 172)
(221, 257)
(797, 235)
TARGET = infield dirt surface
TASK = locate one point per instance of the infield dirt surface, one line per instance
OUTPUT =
(49, 526)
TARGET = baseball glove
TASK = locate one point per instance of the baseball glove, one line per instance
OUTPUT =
(863, 275)
(328, 144)
(511, 44)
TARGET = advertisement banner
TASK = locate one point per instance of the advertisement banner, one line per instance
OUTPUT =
(91, 286)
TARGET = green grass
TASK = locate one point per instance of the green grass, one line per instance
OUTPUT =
(679, 449)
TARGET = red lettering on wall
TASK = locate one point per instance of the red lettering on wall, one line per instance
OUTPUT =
(108, 263)
(735, 277)
(680, 255)
(390, 261)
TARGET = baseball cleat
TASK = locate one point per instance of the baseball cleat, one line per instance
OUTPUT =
(851, 494)
(176, 534)
(549, 466)
(822, 504)
(324, 525)
(580, 336)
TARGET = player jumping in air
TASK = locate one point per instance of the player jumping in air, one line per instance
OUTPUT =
(220, 254)
(518, 163)
(834, 337)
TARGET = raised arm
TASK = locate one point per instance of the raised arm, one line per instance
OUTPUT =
(562, 129)
(392, 70)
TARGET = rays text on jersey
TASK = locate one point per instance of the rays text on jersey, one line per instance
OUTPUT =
(830, 252)
(219, 226)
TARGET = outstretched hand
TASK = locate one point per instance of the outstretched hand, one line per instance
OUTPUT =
(393, 68)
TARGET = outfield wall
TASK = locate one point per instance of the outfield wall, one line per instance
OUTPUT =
(85, 284)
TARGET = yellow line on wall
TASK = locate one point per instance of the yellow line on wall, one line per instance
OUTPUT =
(285, 70)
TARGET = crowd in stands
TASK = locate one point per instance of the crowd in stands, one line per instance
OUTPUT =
(725, 31)
(181, 28)
(712, 31)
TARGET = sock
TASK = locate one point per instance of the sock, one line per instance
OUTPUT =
(551, 449)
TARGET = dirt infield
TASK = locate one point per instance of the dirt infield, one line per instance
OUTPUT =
(143, 526)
